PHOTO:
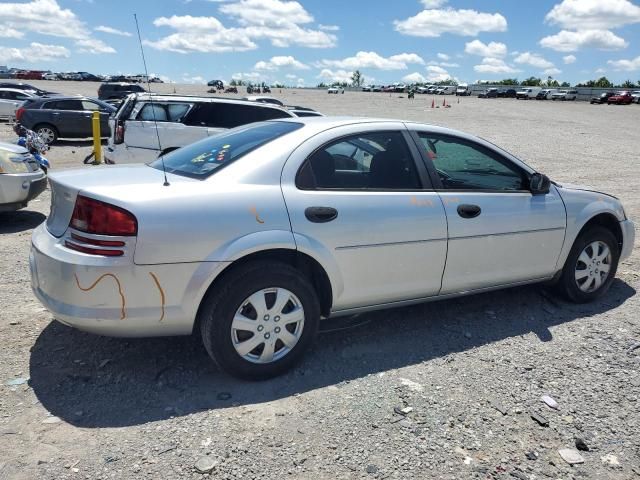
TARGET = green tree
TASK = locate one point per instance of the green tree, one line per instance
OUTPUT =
(628, 84)
(531, 82)
(357, 79)
(565, 84)
(603, 82)
(322, 85)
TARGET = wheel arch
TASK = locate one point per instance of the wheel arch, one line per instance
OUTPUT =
(608, 221)
(306, 264)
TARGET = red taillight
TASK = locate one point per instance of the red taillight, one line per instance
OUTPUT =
(118, 138)
(19, 113)
(100, 218)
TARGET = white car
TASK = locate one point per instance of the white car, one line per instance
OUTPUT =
(252, 236)
(527, 93)
(147, 126)
(565, 95)
(263, 99)
(11, 99)
(50, 76)
(636, 96)
(21, 178)
(335, 90)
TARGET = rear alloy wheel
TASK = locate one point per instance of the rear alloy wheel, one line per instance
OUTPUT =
(260, 321)
(591, 265)
(47, 133)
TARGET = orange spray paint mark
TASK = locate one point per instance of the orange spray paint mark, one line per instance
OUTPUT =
(123, 314)
(162, 298)
(254, 211)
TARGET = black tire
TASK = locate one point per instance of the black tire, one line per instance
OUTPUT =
(45, 126)
(567, 284)
(221, 304)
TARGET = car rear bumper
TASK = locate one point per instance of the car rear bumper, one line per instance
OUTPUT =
(109, 297)
(16, 190)
(628, 238)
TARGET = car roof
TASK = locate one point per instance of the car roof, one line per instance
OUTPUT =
(7, 89)
(190, 98)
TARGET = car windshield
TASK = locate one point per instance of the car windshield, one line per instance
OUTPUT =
(201, 159)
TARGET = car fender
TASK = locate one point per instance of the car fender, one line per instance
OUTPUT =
(321, 254)
(255, 242)
(582, 206)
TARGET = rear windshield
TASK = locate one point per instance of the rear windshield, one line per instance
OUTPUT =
(201, 159)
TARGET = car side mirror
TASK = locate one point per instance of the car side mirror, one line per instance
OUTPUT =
(539, 184)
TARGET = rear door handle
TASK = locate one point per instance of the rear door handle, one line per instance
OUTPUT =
(321, 214)
(469, 211)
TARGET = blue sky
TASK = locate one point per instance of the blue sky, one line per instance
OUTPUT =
(305, 42)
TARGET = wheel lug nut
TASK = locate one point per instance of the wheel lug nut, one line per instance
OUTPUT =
(260, 328)
(266, 318)
(277, 330)
(276, 318)
(267, 335)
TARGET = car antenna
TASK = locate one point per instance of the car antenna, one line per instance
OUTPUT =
(153, 110)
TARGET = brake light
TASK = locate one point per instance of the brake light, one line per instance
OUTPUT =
(100, 218)
(19, 113)
(118, 138)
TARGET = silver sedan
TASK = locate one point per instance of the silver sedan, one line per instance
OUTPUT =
(254, 236)
(21, 178)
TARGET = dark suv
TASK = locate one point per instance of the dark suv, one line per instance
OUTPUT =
(68, 117)
(118, 91)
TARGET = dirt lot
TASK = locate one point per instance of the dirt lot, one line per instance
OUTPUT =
(472, 370)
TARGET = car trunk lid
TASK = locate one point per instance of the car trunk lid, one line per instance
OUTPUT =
(113, 184)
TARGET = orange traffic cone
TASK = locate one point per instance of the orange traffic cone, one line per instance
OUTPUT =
(433, 102)
(444, 102)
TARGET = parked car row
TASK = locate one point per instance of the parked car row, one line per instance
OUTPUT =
(424, 89)
(617, 98)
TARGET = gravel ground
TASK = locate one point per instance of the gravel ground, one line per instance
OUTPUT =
(443, 390)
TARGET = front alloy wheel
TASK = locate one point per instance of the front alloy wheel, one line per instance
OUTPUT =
(591, 265)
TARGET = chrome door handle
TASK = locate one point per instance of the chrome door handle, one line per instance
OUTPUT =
(321, 214)
(469, 211)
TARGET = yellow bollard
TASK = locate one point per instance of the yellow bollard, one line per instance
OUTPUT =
(97, 138)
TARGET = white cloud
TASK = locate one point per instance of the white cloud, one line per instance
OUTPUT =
(414, 78)
(436, 73)
(444, 64)
(433, 3)
(193, 79)
(35, 52)
(443, 56)
(41, 16)
(363, 60)
(593, 14)
(335, 76)
(569, 59)
(567, 41)
(552, 71)
(9, 32)
(111, 30)
(277, 21)
(433, 23)
(534, 60)
(251, 76)
(280, 61)
(626, 65)
(495, 66)
(329, 28)
(94, 46)
(492, 49)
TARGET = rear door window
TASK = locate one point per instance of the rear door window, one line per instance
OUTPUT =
(163, 112)
(230, 115)
(64, 105)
